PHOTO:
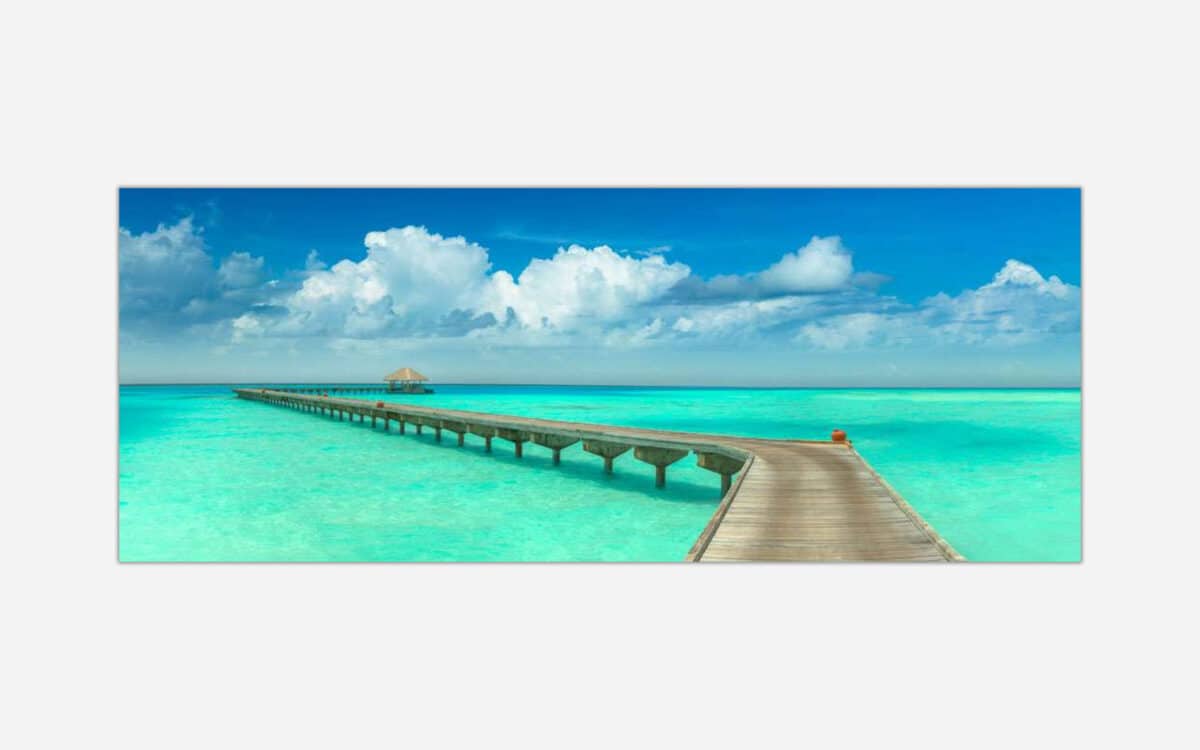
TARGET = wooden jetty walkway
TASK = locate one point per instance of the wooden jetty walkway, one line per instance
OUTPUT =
(318, 390)
(792, 500)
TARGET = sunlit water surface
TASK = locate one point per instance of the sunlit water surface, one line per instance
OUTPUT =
(205, 476)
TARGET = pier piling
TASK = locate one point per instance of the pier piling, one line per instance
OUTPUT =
(661, 458)
(606, 450)
(516, 437)
(724, 465)
(554, 442)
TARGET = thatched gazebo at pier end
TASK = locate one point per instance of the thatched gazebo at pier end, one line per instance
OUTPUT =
(409, 380)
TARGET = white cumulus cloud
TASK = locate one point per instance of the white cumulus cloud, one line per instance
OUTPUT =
(743, 318)
(415, 282)
(1018, 306)
(852, 330)
(579, 285)
(822, 265)
(410, 279)
(168, 277)
(164, 269)
(239, 271)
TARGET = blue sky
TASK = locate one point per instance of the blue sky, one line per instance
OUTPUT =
(857, 287)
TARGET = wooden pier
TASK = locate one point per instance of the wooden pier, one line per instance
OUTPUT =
(318, 390)
(792, 500)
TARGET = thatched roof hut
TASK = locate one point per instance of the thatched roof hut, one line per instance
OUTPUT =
(405, 375)
(409, 379)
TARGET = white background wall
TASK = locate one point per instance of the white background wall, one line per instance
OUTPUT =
(97, 654)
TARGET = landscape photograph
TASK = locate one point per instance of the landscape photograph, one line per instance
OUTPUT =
(572, 374)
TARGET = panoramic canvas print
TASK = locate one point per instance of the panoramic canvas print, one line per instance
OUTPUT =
(599, 374)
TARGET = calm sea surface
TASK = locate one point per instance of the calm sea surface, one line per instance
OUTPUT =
(205, 476)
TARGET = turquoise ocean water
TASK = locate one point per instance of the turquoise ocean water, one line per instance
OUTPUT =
(205, 476)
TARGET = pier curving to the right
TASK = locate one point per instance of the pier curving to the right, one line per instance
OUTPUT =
(792, 500)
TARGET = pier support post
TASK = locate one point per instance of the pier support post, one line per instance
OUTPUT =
(485, 432)
(661, 458)
(516, 437)
(385, 424)
(373, 421)
(419, 426)
(554, 442)
(459, 428)
(606, 450)
(437, 433)
(722, 464)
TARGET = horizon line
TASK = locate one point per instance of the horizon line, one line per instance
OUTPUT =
(622, 385)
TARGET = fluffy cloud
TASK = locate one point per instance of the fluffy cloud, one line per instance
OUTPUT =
(852, 330)
(168, 278)
(240, 271)
(636, 335)
(743, 318)
(579, 285)
(823, 265)
(414, 282)
(162, 270)
(410, 280)
(1018, 306)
